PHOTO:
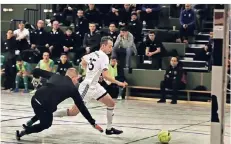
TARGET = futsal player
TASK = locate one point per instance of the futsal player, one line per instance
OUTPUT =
(46, 99)
(96, 63)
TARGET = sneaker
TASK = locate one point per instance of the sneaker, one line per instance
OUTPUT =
(119, 98)
(26, 91)
(17, 135)
(161, 101)
(173, 102)
(16, 90)
(113, 131)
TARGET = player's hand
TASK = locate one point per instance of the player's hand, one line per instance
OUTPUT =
(122, 84)
(97, 127)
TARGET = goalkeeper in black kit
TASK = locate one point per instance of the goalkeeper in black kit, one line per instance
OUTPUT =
(46, 99)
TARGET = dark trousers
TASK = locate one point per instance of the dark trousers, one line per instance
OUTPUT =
(185, 33)
(152, 19)
(41, 114)
(10, 73)
(156, 61)
(174, 85)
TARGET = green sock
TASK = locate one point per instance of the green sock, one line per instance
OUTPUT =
(17, 80)
(25, 80)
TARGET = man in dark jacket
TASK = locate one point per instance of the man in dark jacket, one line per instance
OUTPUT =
(39, 39)
(10, 48)
(81, 24)
(135, 27)
(63, 65)
(150, 14)
(71, 44)
(111, 32)
(56, 39)
(174, 79)
(93, 15)
(187, 21)
(125, 14)
(48, 97)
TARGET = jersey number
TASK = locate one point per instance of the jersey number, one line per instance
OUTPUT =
(91, 64)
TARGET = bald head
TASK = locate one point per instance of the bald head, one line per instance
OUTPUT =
(187, 6)
(71, 72)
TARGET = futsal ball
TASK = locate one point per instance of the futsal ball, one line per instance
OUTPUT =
(164, 136)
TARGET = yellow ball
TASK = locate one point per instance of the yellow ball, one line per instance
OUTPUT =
(164, 136)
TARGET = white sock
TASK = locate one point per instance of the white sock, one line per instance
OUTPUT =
(60, 113)
(110, 115)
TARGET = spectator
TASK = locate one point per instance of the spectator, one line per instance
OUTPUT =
(39, 39)
(56, 38)
(91, 39)
(10, 48)
(205, 53)
(58, 13)
(174, 79)
(113, 15)
(135, 27)
(23, 71)
(71, 44)
(150, 15)
(124, 44)
(187, 21)
(81, 24)
(125, 14)
(63, 65)
(22, 37)
(112, 32)
(118, 74)
(69, 14)
(104, 10)
(93, 15)
(46, 63)
(153, 49)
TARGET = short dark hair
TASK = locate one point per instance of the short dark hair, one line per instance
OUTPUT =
(63, 54)
(177, 58)
(69, 28)
(18, 58)
(151, 32)
(124, 29)
(105, 39)
(112, 23)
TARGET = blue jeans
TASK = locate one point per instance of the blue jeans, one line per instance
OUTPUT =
(127, 51)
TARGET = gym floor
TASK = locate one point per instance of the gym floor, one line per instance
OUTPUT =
(188, 122)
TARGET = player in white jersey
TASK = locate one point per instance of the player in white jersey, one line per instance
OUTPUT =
(96, 63)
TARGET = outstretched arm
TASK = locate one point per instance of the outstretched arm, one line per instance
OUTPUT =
(41, 73)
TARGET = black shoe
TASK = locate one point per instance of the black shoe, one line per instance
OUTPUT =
(17, 135)
(173, 102)
(113, 131)
(161, 101)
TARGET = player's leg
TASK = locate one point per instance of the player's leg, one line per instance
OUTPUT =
(44, 117)
(109, 102)
(102, 96)
(17, 80)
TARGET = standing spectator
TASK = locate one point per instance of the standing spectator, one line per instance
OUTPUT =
(23, 71)
(39, 39)
(63, 65)
(56, 38)
(174, 79)
(112, 32)
(125, 14)
(124, 44)
(69, 14)
(10, 47)
(71, 44)
(150, 14)
(81, 24)
(91, 39)
(93, 15)
(22, 37)
(153, 49)
(135, 27)
(187, 21)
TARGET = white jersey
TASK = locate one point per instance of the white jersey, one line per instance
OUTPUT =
(96, 62)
